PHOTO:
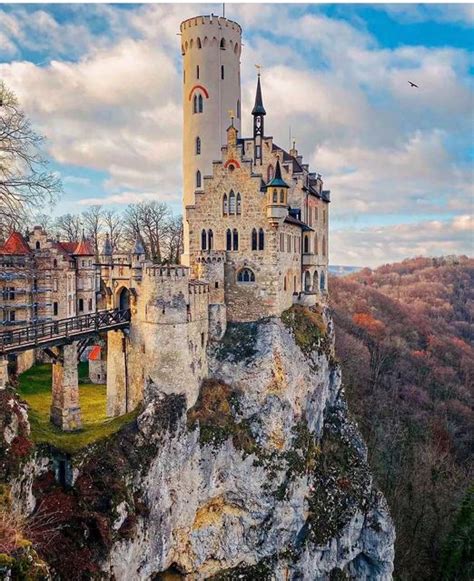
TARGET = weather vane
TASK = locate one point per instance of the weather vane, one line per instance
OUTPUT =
(258, 67)
(231, 115)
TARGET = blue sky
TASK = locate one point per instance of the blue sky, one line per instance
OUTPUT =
(102, 82)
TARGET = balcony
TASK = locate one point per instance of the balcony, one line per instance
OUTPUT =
(310, 259)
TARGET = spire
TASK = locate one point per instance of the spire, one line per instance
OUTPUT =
(258, 108)
(138, 248)
(277, 181)
(107, 248)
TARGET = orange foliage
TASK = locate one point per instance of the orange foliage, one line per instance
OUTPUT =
(369, 323)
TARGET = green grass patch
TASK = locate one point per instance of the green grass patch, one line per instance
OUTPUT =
(35, 389)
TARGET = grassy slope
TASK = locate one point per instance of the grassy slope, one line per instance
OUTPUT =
(35, 389)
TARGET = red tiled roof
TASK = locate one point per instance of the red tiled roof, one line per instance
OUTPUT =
(94, 354)
(83, 249)
(15, 244)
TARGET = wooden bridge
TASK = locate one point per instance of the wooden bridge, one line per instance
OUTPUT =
(62, 331)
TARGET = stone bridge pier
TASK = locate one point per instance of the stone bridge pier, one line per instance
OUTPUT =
(65, 407)
(3, 372)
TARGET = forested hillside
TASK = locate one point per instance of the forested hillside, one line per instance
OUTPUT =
(404, 338)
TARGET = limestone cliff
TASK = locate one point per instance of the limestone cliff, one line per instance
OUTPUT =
(265, 477)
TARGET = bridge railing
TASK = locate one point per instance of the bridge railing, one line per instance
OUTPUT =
(38, 333)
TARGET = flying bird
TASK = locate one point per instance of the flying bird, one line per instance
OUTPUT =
(413, 85)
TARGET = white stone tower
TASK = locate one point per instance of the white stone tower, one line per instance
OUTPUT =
(211, 48)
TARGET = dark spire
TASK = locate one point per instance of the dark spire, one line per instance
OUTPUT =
(258, 108)
(277, 181)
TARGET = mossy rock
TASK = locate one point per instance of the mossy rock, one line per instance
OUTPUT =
(308, 327)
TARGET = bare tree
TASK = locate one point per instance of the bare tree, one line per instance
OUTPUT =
(174, 239)
(113, 223)
(93, 223)
(68, 227)
(148, 221)
(26, 183)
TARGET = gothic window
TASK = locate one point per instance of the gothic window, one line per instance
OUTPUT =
(225, 205)
(198, 179)
(315, 280)
(195, 104)
(81, 305)
(200, 102)
(203, 240)
(307, 282)
(222, 72)
(322, 284)
(288, 243)
(306, 245)
(239, 204)
(198, 146)
(228, 239)
(235, 239)
(254, 239)
(55, 309)
(261, 239)
(210, 239)
(38, 245)
(270, 173)
(197, 71)
(275, 197)
(223, 43)
(232, 204)
(246, 275)
(238, 108)
(282, 197)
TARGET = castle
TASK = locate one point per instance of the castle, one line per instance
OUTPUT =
(255, 239)
(255, 232)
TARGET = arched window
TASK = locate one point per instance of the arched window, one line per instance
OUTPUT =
(199, 43)
(228, 239)
(316, 244)
(284, 283)
(195, 104)
(90, 305)
(306, 244)
(239, 204)
(275, 197)
(307, 281)
(210, 239)
(254, 239)
(223, 43)
(322, 283)
(37, 245)
(261, 239)
(231, 202)
(235, 239)
(245, 275)
(203, 240)
(200, 104)
(197, 71)
(282, 196)
(315, 280)
(270, 172)
(222, 72)
(324, 246)
(238, 108)
(198, 146)
(225, 205)
(81, 305)
(198, 179)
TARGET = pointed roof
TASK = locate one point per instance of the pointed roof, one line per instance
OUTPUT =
(277, 181)
(15, 244)
(258, 108)
(83, 248)
(94, 354)
(138, 248)
(107, 248)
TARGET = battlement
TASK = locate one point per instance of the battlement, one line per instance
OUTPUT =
(210, 256)
(214, 32)
(198, 287)
(211, 19)
(167, 272)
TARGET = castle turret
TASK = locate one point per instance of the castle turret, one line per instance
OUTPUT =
(211, 48)
(138, 258)
(277, 197)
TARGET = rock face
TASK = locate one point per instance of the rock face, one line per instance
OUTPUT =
(265, 477)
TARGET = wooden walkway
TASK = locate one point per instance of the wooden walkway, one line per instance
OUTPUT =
(62, 331)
